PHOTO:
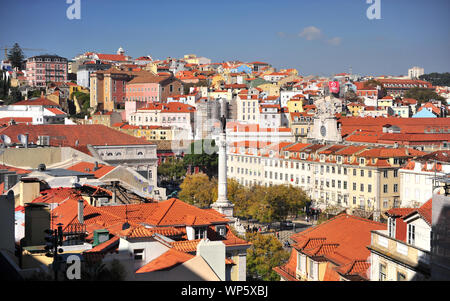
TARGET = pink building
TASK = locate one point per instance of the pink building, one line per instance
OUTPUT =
(42, 69)
(139, 92)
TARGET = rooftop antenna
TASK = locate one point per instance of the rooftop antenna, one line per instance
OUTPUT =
(126, 225)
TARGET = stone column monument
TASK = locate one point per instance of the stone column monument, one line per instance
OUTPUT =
(223, 205)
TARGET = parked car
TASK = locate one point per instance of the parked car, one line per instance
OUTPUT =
(287, 224)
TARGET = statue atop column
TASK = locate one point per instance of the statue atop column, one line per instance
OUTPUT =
(223, 123)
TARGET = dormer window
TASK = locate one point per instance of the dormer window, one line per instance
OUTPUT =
(221, 230)
(362, 161)
(200, 232)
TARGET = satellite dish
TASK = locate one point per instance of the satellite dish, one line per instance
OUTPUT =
(23, 139)
(6, 140)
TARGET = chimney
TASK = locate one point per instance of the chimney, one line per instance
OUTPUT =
(37, 220)
(7, 222)
(81, 211)
(95, 166)
(213, 252)
(29, 189)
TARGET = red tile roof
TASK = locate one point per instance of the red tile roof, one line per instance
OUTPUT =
(171, 107)
(169, 259)
(56, 111)
(88, 167)
(347, 237)
(425, 211)
(76, 136)
(41, 101)
(112, 57)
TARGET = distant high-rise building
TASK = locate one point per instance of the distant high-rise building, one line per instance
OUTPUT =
(415, 72)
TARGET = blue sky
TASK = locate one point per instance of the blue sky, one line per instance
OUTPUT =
(319, 37)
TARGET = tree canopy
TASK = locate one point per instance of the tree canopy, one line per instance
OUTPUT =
(422, 95)
(172, 170)
(265, 253)
(16, 56)
(198, 190)
(437, 79)
(266, 204)
(205, 159)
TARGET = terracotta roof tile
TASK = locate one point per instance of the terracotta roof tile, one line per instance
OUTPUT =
(169, 259)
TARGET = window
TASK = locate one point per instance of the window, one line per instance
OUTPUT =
(362, 173)
(362, 187)
(354, 172)
(200, 232)
(391, 226)
(401, 276)
(395, 187)
(396, 173)
(385, 174)
(411, 234)
(385, 188)
(369, 188)
(354, 186)
(138, 254)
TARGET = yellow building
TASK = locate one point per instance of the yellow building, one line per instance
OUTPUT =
(295, 105)
(270, 89)
(216, 80)
(355, 108)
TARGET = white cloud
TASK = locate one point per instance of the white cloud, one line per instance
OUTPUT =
(281, 34)
(311, 33)
(335, 41)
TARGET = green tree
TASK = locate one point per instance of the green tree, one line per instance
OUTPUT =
(172, 170)
(205, 159)
(372, 83)
(265, 253)
(14, 95)
(15, 56)
(84, 99)
(422, 95)
(437, 79)
(198, 190)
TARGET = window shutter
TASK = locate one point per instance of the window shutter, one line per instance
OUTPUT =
(316, 271)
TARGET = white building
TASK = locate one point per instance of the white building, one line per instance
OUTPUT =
(37, 110)
(417, 178)
(173, 114)
(415, 72)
